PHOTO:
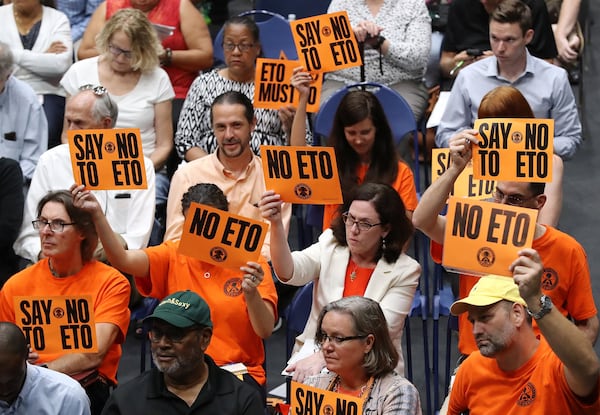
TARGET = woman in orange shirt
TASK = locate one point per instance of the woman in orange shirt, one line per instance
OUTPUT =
(363, 143)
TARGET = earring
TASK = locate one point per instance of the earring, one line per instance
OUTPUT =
(383, 244)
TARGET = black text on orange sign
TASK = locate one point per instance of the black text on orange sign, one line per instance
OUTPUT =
(311, 164)
(342, 49)
(273, 89)
(475, 187)
(77, 334)
(530, 162)
(238, 233)
(126, 171)
(468, 220)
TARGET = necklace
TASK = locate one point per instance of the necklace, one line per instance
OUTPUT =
(52, 270)
(364, 391)
(353, 272)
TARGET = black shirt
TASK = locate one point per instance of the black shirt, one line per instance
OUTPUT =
(468, 27)
(147, 394)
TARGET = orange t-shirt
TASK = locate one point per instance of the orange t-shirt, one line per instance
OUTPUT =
(108, 288)
(356, 280)
(233, 339)
(538, 387)
(404, 185)
(566, 280)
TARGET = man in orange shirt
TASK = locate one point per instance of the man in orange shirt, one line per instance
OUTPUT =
(514, 370)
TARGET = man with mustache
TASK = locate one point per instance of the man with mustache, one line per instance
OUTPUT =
(233, 166)
(185, 379)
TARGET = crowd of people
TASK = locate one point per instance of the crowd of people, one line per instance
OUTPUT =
(147, 64)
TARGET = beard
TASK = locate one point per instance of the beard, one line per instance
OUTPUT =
(491, 345)
(181, 364)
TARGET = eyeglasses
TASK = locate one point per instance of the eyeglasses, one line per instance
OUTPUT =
(321, 338)
(55, 225)
(174, 335)
(116, 51)
(243, 47)
(350, 221)
(512, 200)
(96, 89)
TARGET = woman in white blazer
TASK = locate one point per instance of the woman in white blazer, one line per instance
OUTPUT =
(361, 254)
(40, 40)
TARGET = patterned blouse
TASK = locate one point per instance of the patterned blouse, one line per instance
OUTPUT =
(407, 26)
(194, 127)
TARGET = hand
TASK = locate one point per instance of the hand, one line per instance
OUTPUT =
(85, 199)
(286, 115)
(301, 81)
(33, 356)
(270, 206)
(568, 47)
(253, 276)
(56, 47)
(460, 148)
(366, 29)
(309, 366)
(527, 272)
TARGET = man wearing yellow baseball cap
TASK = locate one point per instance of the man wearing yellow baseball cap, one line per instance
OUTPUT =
(515, 371)
(185, 379)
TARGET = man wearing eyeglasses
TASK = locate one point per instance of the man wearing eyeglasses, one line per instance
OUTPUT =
(130, 213)
(23, 124)
(185, 379)
(566, 277)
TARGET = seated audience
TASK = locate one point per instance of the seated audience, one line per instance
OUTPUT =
(361, 254)
(128, 68)
(232, 166)
(31, 389)
(364, 145)
(244, 300)
(39, 37)
(185, 379)
(130, 212)
(361, 357)
(397, 40)
(68, 240)
(544, 85)
(516, 370)
(195, 137)
(23, 126)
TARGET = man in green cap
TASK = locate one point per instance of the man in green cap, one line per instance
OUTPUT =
(185, 379)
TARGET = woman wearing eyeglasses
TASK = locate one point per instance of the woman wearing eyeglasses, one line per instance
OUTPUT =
(68, 240)
(128, 67)
(361, 357)
(241, 47)
(361, 254)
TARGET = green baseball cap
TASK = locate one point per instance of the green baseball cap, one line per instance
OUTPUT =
(183, 309)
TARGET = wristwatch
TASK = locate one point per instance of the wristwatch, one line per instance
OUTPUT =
(546, 303)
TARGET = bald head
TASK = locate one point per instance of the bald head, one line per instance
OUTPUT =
(87, 110)
(13, 357)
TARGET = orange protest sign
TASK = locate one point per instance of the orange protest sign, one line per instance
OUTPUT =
(484, 237)
(326, 42)
(58, 324)
(273, 88)
(307, 400)
(109, 159)
(221, 238)
(514, 149)
(302, 175)
(465, 185)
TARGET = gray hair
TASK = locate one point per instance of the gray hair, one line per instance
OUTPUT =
(6, 60)
(103, 107)
(368, 318)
